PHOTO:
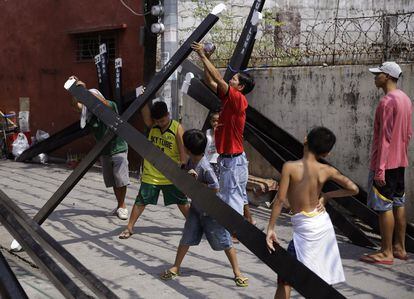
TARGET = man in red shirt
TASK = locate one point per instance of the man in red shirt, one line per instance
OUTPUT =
(392, 133)
(229, 133)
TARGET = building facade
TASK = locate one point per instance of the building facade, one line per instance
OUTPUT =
(44, 42)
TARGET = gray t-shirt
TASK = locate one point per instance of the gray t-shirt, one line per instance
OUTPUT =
(205, 175)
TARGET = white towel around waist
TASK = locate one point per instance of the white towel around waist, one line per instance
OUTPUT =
(316, 247)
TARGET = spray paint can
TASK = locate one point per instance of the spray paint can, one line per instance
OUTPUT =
(209, 47)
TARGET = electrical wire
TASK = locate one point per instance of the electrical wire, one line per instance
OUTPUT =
(238, 71)
(133, 11)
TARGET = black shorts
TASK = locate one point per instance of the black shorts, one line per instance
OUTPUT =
(394, 183)
(391, 195)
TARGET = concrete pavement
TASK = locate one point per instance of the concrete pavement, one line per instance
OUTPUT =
(131, 267)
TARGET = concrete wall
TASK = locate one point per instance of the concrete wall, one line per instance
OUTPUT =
(342, 98)
(297, 32)
(309, 9)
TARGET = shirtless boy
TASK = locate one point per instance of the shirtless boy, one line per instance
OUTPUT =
(314, 243)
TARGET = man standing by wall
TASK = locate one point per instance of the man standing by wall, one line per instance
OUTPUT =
(386, 195)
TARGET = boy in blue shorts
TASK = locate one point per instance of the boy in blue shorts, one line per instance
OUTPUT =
(198, 222)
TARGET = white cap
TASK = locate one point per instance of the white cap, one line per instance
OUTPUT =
(389, 68)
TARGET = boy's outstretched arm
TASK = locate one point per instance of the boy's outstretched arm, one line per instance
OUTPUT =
(77, 105)
(208, 80)
(74, 102)
(281, 197)
(217, 82)
(349, 187)
(146, 116)
(180, 144)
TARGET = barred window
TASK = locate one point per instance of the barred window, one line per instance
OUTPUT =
(87, 45)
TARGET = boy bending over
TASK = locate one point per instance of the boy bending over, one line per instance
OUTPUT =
(198, 222)
(314, 243)
(114, 158)
(166, 134)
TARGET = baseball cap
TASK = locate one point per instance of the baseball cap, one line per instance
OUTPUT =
(389, 68)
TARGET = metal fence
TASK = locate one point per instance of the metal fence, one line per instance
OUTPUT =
(355, 40)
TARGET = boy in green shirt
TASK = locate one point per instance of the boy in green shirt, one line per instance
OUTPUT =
(114, 158)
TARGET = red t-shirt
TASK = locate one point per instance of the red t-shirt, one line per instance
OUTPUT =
(229, 132)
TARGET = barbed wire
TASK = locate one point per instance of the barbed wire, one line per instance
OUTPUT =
(335, 41)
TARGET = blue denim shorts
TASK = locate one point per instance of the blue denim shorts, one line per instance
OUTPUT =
(234, 174)
(390, 196)
(196, 225)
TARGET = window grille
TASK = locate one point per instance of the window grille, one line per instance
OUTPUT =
(87, 46)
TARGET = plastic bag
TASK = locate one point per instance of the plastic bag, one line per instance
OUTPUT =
(41, 135)
(41, 158)
(19, 145)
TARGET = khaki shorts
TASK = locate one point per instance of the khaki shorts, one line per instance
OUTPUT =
(115, 170)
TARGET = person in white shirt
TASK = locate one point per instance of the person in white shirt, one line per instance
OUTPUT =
(211, 151)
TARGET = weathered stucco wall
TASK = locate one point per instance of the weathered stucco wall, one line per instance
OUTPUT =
(342, 98)
(294, 20)
(309, 9)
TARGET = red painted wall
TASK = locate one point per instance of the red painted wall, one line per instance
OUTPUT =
(38, 54)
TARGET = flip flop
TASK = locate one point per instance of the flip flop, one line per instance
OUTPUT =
(125, 234)
(241, 281)
(370, 260)
(168, 275)
(400, 256)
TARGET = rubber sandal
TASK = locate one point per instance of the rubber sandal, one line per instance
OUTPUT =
(241, 281)
(125, 234)
(400, 256)
(370, 260)
(168, 275)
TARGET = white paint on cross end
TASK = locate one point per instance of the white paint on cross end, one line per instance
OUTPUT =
(187, 82)
(256, 18)
(218, 9)
(69, 83)
(15, 246)
(139, 91)
(97, 59)
(118, 62)
(102, 49)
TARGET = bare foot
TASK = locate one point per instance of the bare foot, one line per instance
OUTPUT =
(400, 254)
(235, 240)
(374, 253)
(377, 258)
(381, 256)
